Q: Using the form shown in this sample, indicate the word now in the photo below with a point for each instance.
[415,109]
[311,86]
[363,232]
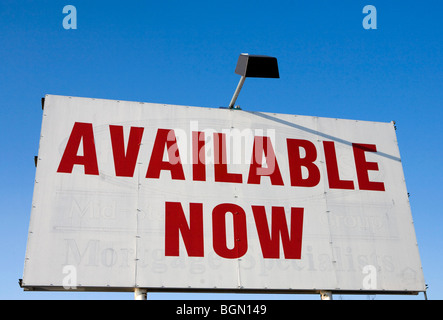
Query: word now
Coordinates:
[192,232]
[125,158]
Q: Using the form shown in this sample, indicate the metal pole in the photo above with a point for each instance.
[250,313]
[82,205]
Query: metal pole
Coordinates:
[140,294]
[326,295]
[237,91]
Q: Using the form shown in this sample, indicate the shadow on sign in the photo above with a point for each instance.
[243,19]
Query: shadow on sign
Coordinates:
[327,136]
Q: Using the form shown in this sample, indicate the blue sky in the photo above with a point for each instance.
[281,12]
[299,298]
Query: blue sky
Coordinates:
[185,52]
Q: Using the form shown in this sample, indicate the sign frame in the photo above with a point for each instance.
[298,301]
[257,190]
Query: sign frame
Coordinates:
[93,226]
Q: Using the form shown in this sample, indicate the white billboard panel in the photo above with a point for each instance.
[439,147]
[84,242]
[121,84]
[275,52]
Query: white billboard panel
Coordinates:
[165,197]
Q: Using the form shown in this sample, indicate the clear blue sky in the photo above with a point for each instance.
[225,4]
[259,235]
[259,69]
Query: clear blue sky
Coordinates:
[185,52]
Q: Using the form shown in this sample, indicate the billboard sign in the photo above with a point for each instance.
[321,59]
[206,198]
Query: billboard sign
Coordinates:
[141,195]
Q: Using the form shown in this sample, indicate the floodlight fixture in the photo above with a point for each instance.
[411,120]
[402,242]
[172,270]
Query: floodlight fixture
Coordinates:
[254,66]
